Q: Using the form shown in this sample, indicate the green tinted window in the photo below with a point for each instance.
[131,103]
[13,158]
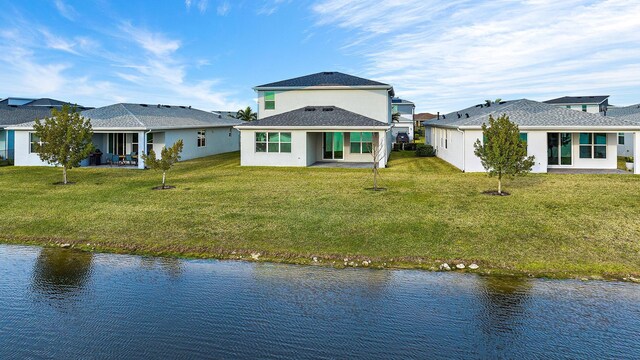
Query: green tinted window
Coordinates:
[361,142]
[585,138]
[600,139]
[523,137]
[584,107]
[599,152]
[274,137]
[585,152]
[273,142]
[269,100]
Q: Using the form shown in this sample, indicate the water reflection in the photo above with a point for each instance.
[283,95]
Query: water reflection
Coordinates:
[170,266]
[504,304]
[60,274]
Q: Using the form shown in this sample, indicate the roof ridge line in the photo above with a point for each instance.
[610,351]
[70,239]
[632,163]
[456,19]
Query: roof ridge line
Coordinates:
[513,102]
[130,113]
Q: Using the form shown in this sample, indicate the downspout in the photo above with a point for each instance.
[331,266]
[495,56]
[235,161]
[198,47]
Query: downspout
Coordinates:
[464,154]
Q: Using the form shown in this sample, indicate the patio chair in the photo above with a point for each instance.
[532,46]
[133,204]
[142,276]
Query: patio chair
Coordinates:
[107,158]
[131,158]
[115,159]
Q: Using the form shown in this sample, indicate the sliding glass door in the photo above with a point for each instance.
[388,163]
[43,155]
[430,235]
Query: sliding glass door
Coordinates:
[559,149]
[333,146]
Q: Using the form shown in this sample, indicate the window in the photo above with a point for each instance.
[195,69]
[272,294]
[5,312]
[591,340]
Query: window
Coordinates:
[149,142]
[446,139]
[620,138]
[34,141]
[202,139]
[273,142]
[593,146]
[394,109]
[523,137]
[361,142]
[134,142]
[584,108]
[568,106]
[269,100]
[230,131]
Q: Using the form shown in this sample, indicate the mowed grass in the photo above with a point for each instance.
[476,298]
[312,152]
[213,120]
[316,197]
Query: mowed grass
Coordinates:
[551,225]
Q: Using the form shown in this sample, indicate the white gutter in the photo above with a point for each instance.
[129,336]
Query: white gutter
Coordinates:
[248,127]
[464,153]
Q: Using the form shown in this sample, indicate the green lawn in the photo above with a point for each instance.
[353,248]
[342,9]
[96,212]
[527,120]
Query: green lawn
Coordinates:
[552,225]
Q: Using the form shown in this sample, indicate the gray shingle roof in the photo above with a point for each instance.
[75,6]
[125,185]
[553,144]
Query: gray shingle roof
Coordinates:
[37,109]
[578,100]
[397,100]
[329,116]
[527,113]
[623,110]
[327,78]
[151,117]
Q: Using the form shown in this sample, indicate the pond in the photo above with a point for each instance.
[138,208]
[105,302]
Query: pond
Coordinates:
[59,303]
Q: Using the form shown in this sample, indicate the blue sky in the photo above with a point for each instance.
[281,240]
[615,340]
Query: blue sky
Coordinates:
[443,55]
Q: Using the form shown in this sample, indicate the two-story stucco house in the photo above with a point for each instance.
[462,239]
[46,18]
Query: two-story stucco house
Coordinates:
[322,117]
[406,109]
[590,104]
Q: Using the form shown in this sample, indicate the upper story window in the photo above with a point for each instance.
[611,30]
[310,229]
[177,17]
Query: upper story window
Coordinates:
[584,108]
[568,106]
[269,100]
[202,138]
[394,109]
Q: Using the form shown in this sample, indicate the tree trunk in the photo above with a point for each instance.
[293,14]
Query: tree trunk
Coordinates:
[375,176]
[64,175]
[164,177]
[500,185]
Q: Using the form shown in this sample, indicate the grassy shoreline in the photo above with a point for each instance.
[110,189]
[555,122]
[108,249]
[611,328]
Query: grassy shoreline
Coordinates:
[560,226]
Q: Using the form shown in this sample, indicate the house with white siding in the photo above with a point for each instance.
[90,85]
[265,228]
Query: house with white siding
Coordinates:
[327,117]
[558,137]
[121,132]
[14,110]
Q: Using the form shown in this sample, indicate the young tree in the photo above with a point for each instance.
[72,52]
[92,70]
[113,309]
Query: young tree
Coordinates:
[65,139]
[168,157]
[246,114]
[503,153]
[377,152]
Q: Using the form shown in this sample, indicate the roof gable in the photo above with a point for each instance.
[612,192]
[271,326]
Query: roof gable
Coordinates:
[317,116]
[327,78]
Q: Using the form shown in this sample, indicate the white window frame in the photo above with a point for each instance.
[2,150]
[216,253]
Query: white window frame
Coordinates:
[31,142]
[202,138]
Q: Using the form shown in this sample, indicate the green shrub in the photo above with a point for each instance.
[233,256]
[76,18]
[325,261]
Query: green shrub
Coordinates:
[628,159]
[424,150]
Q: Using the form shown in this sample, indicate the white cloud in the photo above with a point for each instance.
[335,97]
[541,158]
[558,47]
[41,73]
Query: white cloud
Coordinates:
[66,10]
[156,43]
[223,8]
[447,55]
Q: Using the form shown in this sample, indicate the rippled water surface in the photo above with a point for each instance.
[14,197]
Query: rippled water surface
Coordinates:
[65,304]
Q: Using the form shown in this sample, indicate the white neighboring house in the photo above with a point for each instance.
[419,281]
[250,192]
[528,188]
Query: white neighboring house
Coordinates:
[322,117]
[590,104]
[625,140]
[405,124]
[559,138]
[129,129]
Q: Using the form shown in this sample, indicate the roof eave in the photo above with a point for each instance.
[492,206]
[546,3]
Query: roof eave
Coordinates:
[258,127]
[329,87]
